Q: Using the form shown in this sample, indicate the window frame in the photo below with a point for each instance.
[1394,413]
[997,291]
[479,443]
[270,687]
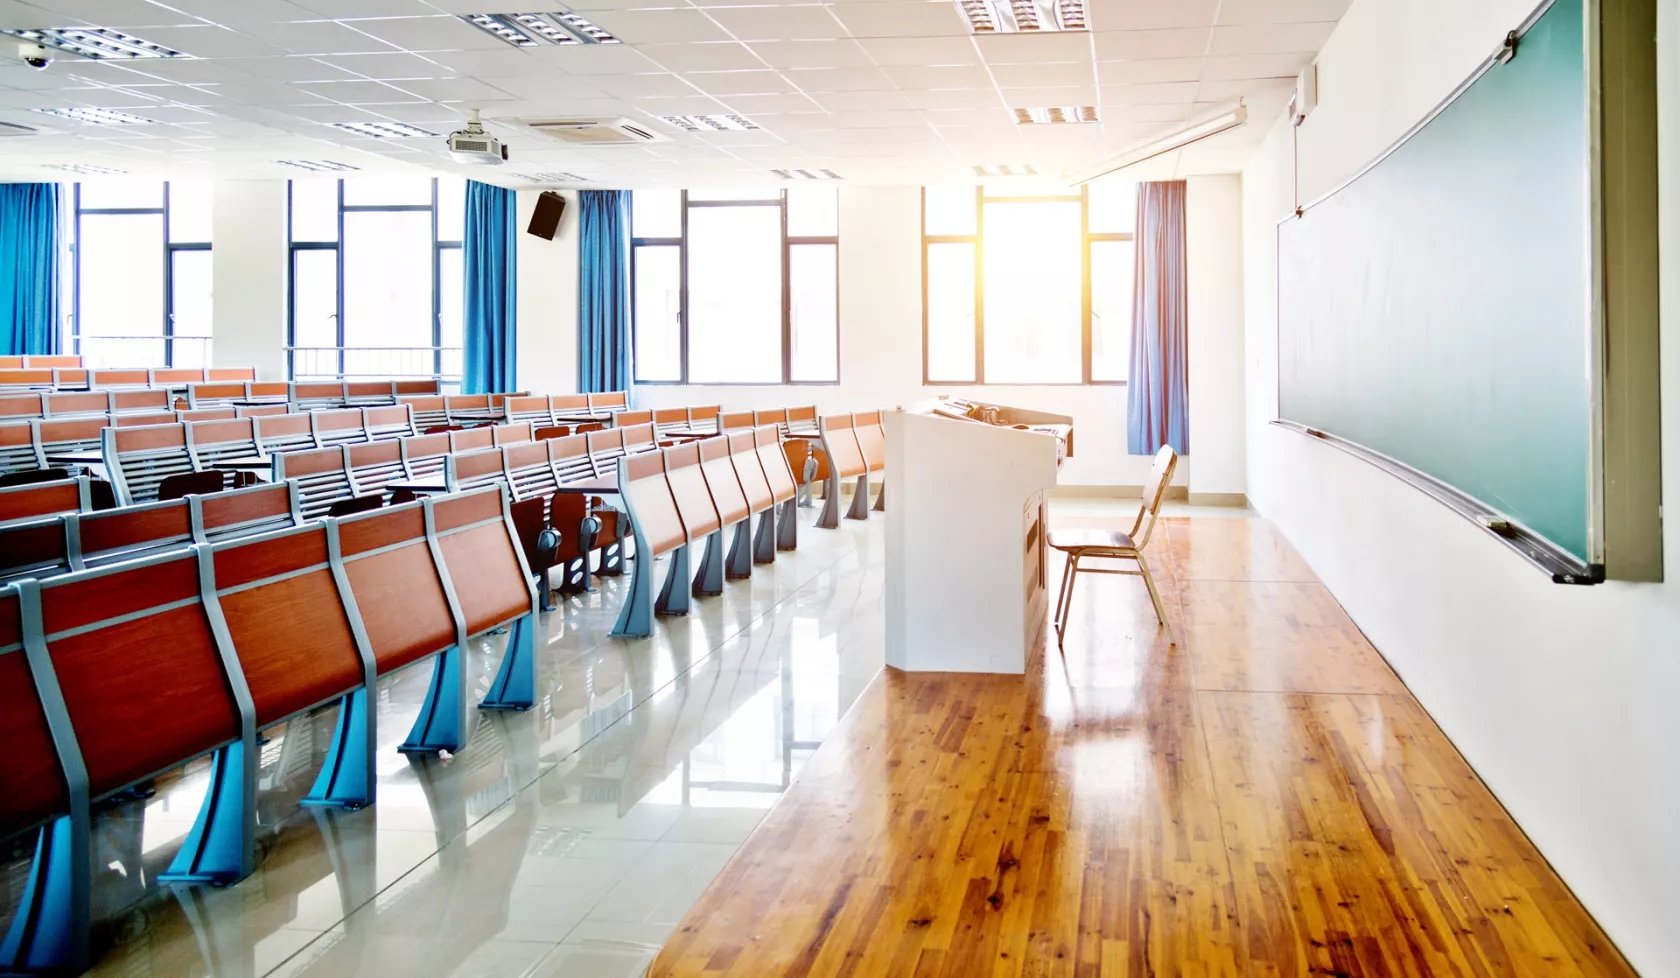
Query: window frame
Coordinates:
[293,247]
[680,242]
[169,250]
[977,240]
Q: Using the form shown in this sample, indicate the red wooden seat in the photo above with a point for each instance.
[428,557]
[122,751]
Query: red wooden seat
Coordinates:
[322,475]
[338,427]
[784,488]
[113,535]
[484,569]
[80,404]
[40,499]
[139,459]
[373,464]
[285,433]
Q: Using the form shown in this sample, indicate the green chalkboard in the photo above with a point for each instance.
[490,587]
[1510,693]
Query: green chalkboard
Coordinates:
[1436,309]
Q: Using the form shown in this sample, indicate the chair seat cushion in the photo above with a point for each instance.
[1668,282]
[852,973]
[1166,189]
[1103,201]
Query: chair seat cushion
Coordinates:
[1090,539]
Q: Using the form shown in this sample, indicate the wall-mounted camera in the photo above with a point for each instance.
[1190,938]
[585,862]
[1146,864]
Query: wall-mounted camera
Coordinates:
[35,56]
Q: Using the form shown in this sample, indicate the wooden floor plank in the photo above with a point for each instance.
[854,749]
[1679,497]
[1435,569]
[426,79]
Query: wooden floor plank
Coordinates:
[1264,799]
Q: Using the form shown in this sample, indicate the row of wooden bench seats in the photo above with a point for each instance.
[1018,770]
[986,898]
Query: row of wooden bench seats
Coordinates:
[82,404]
[62,534]
[855,446]
[546,410]
[30,444]
[71,378]
[111,676]
[139,459]
[39,360]
[694,492]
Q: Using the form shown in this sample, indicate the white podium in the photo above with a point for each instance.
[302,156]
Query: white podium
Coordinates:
[965,558]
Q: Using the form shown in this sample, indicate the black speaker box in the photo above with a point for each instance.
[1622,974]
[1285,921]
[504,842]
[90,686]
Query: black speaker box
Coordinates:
[545,220]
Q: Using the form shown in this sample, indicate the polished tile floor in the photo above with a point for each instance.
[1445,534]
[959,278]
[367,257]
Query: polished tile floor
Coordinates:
[567,841]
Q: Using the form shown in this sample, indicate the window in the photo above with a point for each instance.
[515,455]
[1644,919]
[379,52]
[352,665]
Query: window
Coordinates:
[1027,290]
[376,277]
[736,289]
[140,251]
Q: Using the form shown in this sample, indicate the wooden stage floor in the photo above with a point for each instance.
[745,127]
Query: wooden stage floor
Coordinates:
[1264,799]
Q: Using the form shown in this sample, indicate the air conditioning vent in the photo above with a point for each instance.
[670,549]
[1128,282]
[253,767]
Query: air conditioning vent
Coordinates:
[595,132]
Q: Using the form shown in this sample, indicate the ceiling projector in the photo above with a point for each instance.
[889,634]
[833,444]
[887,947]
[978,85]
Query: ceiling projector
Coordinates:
[474,145]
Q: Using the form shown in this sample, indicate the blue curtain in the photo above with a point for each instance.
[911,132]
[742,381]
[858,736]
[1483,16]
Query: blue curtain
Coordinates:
[491,353]
[604,291]
[29,249]
[1158,412]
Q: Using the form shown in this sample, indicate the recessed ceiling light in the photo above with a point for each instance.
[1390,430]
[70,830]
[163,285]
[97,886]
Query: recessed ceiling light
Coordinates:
[100,117]
[1057,114]
[556,177]
[317,165]
[1005,170]
[710,123]
[533,30]
[89,169]
[1024,16]
[96,43]
[806,174]
[382,130]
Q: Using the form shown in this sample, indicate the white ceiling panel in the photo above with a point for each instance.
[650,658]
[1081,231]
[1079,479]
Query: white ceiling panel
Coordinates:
[1043,75]
[937,99]
[357,92]
[753,106]
[551,85]
[1004,49]
[663,84]
[891,51]
[761,82]
[368,8]
[594,59]
[809,22]
[113,13]
[266,94]
[693,104]
[209,41]
[1255,66]
[1280,11]
[1150,71]
[287,69]
[649,26]
[865,102]
[320,37]
[844,53]
[456,90]
[1188,42]
[1120,112]
[1132,15]
[509,63]
[839,79]
[940,77]
[1043,98]
[1162,94]
[712,56]
[434,33]
[243,13]
[905,18]
[1270,38]
[387,66]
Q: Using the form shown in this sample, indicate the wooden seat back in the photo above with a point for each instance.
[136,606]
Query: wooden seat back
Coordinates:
[625,419]
[143,402]
[777,417]
[639,438]
[141,420]
[389,421]
[37,547]
[52,360]
[23,407]
[570,458]
[470,470]
[840,444]
[17,447]
[26,380]
[606,447]
[322,474]
[641,478]
[138,459]
[260,410]
[516,433]
[316,396]
[408,388]
[668,419]
[482,556]
[471,440]
[11,362]
[32,782]
[373,464]
[207,414]
[569,406]
[285,433]
[174,376]
[609,400]
[243,512]
[271,392]
[40,499]
[129,532]
[246,374]
[743,455]
[78,404]
[69,379]
[722,482]
[469,407]
[735,421]
[338,427]
[797,451]
[369,393]
[109,379]
[529,409]
[528,470]
[699,514]
[871,439]
[133,649]
[768,440]
[704,419]
[215,442]
[399,595]
[802,420]
[429,409]
[66,435]
[423,455]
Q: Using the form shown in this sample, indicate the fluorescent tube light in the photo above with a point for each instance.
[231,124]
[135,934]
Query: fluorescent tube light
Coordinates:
[1157,147]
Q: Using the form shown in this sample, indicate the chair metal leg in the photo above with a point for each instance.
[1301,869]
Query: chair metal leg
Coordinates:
[1061,596]
[1155,596]
[1067,605]
[860,499]
[830,518]
[515,685]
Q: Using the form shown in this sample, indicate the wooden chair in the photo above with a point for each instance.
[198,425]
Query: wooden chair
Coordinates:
[37,548]
[22,407]
[174,377]
[17,448]
[216,443]
[319,396]
[607,402]
[388,422]
[485,573]
[207,414]
[260,410]
[242,374]
[658,530]
[845,461]
[703,421]
[537,410]
[700,518]
[570,409]
[783,489]
[79,404]
[140,420]
[470,409]
[1085,544]
[624,419]
[272,392]
[472,439]
[513,433]
[730,501]
[139,459]
[429,410]
[338,427]
[131,532]
[761,502]
[244,512]
[322,474]
[189,483]
[114,379]
[640,438]
[57,437]
[736,421]
[423,455]
[374,464]
[369,393]
[285,433]
[409,388]
[202,396]
[25,381]
[35,500]
[872,443]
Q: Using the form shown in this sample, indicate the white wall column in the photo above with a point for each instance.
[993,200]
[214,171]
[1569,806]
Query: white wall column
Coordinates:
[248,238]
[547,278]
[1213,232]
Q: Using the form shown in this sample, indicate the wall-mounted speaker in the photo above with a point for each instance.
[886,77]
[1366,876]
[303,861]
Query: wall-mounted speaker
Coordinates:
[545,220]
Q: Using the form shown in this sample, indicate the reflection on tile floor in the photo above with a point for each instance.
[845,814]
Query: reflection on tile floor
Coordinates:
[565,841]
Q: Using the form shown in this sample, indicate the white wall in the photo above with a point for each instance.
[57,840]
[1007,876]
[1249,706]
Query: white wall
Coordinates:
[248,277]
[1213,232]
[547,305]
[1561,697]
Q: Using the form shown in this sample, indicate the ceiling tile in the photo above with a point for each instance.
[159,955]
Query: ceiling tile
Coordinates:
[1256,66]
[662,84]
[1270,38]
[844,53]
[810,22]
[646,26]
[435,33]
[123,14]
[1169,92]
[1212,90]
[1043,75]
[1118,112]
[387,66]
[207,41]
[905,18]
[890,51]
[864,102]
[188,70]
[1131,15]
[755,105]
[1149,70]
[839,79]
[319,37]
[1030,98]
[691,104]
[551,85]
[455,90]
[713,56]
[1035,48]
[268,94]
[595,59]
[973,98]
[939,77]
[368,8]
[243,13]
[356,92]
[1280,11]
[288,69]
[1189,42]
[506,63]
[760,82]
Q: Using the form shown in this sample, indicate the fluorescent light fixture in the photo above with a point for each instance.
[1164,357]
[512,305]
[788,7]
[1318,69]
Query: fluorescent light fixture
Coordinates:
[1057,115]
[533,30]
[1165,144]
[1024,16]
[556,177]
[87,169]
[710,123]
[1005,170]
[382,130]
[97,43]
[319,166]
[807,174]
[99,117]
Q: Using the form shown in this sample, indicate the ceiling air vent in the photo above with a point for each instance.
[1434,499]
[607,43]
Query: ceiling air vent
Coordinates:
[806,174]
[1005,170]
[556,177]
[711,123]
[595,132]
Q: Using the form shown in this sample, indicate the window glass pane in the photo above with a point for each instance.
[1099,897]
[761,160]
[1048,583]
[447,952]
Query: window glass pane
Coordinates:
[814,307]
[1033,293]
[950,210]
[451,308]
[314,313]
[1113,205]
[736,193]
[189,212]
[658,302]
[950,312]
[121,287]
[190,307]
[735,294]
[122,192]
[452,208]
[1111,309]
[388,188]
[387,289]
[813,212]
[314,210]
[656,213]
